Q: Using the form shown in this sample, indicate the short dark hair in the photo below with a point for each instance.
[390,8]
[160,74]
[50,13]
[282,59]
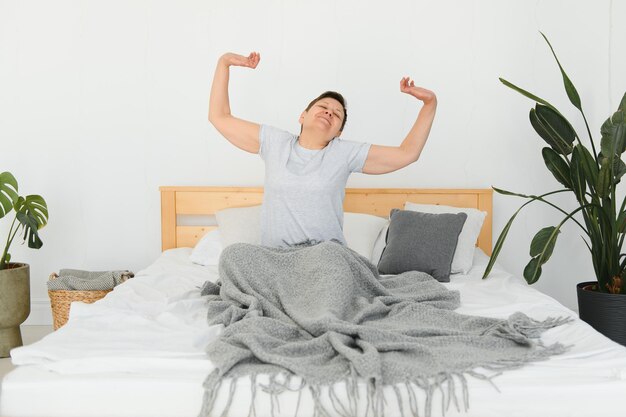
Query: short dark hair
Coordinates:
[335,95]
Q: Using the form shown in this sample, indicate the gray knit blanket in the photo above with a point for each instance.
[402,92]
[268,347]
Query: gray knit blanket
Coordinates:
[76,279]
[323,315]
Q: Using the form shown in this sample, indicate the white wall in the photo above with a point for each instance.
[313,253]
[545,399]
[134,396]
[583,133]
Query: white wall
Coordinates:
[101,102]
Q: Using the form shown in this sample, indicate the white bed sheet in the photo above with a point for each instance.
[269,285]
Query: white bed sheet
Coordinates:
[140,352]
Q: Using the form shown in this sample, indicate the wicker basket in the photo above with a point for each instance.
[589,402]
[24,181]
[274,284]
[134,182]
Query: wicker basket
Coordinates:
[60,301]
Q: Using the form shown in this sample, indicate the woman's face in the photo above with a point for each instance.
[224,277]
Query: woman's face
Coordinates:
[325,115]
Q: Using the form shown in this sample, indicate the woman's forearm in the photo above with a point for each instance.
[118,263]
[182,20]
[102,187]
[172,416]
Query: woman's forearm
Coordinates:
[417,136]
[218,103]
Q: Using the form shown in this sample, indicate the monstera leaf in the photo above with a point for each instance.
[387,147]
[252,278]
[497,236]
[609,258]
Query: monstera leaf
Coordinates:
[8,193]
[32,213]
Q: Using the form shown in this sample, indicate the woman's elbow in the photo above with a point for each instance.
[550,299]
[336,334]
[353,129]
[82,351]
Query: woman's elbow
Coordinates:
[212,118]
[216,120]
[409,158]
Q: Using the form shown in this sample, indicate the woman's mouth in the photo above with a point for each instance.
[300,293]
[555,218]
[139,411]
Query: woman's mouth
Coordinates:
[324,119]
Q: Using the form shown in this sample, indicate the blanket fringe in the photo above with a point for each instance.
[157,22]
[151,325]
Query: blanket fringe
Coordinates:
[451,385]
[453,389]
[522,329]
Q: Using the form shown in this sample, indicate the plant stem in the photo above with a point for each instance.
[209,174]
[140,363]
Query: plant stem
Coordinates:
[556,230]
[614,232]
[623,205]
[564,212]
[10,238]
[593,147]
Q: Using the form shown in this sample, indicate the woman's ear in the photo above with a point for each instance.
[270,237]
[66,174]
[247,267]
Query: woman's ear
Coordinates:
[301,119]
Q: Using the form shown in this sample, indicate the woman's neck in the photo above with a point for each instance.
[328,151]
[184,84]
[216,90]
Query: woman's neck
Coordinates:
[312,141]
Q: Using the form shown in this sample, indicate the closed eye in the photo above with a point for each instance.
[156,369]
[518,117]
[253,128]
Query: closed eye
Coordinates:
[336,114]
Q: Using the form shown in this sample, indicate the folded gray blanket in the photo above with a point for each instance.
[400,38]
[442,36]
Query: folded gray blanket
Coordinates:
[75,279]
[323,314]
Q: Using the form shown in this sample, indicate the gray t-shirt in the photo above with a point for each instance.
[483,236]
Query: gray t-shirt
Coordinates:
[304,188]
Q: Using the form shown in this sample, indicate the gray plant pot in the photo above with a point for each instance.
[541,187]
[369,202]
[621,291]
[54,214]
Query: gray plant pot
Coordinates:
[604,312]
[14,305]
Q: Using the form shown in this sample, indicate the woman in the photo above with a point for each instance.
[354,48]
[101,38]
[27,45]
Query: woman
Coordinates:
[306,175]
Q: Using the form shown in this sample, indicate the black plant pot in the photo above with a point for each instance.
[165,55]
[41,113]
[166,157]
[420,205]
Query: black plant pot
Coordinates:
[604,312]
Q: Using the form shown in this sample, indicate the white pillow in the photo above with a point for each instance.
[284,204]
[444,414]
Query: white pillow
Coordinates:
[466,243]
[244,225]
[240,225]
[208,250]
[361,231]
[379,245]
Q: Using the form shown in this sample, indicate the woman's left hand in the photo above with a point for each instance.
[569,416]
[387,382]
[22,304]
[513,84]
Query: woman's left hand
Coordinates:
[408,86]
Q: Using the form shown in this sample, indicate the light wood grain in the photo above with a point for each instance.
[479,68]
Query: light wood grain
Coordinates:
[188,236]
[177,201]
[168,219]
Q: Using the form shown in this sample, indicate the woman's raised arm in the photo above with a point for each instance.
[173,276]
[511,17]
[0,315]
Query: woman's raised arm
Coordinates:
[241,133]
[384,159]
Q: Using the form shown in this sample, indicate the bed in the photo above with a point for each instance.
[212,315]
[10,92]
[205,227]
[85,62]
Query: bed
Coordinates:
[140,350]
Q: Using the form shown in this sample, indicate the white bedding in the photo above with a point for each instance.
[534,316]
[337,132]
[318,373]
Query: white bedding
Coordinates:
[140,352]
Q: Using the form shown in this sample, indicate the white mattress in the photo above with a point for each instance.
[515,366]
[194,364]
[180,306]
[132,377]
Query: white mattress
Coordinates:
[140,352]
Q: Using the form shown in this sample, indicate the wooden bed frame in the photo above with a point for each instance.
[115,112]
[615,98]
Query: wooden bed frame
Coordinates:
[177,201]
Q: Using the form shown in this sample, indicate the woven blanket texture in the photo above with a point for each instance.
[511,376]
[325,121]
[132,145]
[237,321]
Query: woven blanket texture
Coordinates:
[323,315]
[76,279]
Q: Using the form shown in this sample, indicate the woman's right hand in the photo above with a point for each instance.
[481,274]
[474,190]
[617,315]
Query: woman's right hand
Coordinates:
[251,61]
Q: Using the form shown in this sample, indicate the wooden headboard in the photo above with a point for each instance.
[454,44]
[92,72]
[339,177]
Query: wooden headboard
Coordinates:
[176,201]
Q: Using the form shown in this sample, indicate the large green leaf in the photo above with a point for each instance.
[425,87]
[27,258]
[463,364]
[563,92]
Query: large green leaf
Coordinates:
[541,249]
[30,229]
[32,213]
[606,145]
[543,243]
[560,128]
[553,128]
[531,96]
[500,241]
[35,206]
[620,136]
[526,93]
[619,169]
[572,94]
[587,164]
[532,272]
[505,192]
[613,132]
[606,141]
[557,166]
[8,193]
[543,132]
[603,186]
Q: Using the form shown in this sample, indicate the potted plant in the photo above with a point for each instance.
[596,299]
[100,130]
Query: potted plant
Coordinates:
[592,177]
[31,214]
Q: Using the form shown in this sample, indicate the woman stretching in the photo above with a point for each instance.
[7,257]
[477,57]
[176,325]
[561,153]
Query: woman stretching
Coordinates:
[306,174]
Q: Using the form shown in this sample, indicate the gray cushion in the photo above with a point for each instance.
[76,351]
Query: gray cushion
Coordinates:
[421,242]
